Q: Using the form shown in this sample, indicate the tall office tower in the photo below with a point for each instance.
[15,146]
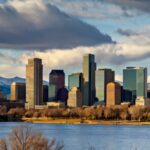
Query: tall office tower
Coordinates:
[102,78]
[56,84]
[134,83]
[75,97]
[45,93]
[113,94]
[34,82]
[75,80]
[89,67]
[18,92]
[148,93]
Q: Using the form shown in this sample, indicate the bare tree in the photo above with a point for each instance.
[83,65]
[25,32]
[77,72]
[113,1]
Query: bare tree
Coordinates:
[3,145]
[25,138]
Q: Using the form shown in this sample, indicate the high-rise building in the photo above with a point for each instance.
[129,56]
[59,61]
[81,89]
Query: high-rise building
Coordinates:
[34,82]
[56,85]
[75,80]
[102,78]
[135,82]
[75,97]
[113,94]
[45,93]
[148,93]
[89,67]
[18,92]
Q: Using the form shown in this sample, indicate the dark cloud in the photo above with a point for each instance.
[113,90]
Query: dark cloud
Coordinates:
[126,32]
[43,26]
[143,5]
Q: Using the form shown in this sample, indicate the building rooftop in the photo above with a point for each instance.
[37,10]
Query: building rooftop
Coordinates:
[78,73]
[135,68]
[17,83]
[89,54]
[57,72]
[105,69]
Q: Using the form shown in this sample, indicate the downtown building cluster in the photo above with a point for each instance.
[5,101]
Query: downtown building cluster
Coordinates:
[93,86]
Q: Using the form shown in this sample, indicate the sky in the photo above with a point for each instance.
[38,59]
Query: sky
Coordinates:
[60,32]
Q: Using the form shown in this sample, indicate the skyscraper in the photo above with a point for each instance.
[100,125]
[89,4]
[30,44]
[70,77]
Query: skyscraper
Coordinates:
[57,90]
[89,67]
[75,80]
[134,82]
[34,82]
[102,78]
[45,93]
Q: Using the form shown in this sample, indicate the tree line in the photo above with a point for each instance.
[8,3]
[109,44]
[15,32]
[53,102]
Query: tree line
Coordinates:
[121,112]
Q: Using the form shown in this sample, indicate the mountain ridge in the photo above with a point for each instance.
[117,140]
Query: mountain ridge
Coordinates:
[6,82]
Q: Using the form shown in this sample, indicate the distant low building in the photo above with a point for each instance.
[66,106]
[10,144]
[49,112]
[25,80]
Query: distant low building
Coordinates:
[113,96]
[75,98]
[55,104]
[12,104]
[18,92]
[40,107]
[141,101]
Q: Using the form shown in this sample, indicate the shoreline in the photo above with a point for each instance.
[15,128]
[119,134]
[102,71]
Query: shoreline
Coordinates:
[88,122]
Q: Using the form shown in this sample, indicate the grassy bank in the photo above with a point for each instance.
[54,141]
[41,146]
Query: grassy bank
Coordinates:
[81,121]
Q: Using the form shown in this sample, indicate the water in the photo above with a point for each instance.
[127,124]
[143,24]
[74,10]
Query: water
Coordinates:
[81,137]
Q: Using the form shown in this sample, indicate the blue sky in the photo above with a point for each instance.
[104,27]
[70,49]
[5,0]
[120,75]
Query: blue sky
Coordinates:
[62,31]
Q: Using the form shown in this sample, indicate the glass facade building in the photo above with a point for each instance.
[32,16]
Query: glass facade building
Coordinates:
[89,67]
[102,78]
[135,83]
[75,80]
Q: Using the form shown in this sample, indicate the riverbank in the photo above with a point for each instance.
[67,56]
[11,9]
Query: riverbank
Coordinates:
[79,121]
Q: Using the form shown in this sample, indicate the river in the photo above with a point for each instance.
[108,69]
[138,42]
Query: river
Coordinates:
[101,137]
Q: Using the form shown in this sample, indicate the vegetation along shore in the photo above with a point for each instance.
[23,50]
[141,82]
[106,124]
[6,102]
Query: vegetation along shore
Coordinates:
[116,115]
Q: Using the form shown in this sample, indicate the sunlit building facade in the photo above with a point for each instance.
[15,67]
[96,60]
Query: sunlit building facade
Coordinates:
[113,95]
[18,92]
[102,78]
[75,97]
[34,82]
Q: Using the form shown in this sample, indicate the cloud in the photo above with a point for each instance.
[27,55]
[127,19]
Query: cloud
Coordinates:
[148,79]
[117,54]
[8,70]
[134,48]
[126,32]
[37,25]
[142,5]
[93,9]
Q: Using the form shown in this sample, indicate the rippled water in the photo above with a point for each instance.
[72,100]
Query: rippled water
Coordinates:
[81,137]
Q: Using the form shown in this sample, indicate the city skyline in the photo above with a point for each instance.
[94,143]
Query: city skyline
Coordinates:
[93,86]
[127,26]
